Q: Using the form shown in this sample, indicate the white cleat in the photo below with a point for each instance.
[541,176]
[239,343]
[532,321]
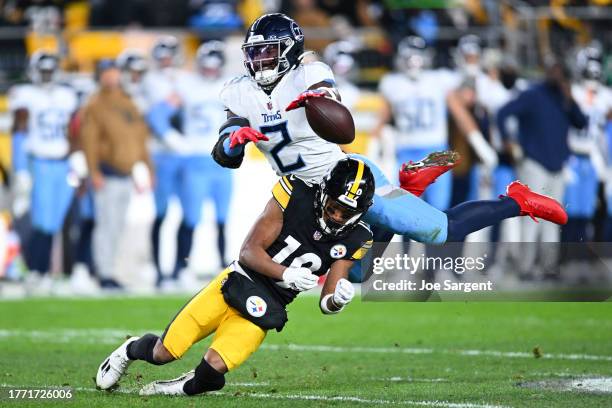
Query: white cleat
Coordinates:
[114,366]
[168,387]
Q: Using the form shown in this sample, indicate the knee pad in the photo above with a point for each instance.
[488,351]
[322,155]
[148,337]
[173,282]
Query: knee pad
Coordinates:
[206,379]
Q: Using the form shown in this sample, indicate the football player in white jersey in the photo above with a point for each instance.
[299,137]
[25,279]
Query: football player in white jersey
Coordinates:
[586,161]
[263,108]
[42,111]
[415,97]
[339,56]
[133,66]
[194,176]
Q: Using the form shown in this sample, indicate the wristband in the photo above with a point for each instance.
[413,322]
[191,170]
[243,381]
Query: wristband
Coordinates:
[324,307]
[232,152]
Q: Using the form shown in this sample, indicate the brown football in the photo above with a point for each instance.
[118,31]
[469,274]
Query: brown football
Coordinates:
[330,120]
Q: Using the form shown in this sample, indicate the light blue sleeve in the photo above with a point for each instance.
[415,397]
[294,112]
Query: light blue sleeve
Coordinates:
[18,150]
[159,118]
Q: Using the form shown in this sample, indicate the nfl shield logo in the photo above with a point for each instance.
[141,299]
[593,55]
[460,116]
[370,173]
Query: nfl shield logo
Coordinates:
[269,105]
[317,235]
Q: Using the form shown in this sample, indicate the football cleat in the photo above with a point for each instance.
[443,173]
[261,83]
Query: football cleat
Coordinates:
[415,177]
[168,387]
[114,366]
[536,205]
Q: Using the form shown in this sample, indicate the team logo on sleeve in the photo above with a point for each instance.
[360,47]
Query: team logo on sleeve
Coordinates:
[338,251]
[256,306]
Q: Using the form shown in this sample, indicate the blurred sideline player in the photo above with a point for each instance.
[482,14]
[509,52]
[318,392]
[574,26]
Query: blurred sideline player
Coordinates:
[339,57]
[42,111]
[263,107]
[133,65]
[595,100]
[304,231]
[160,85]
[194,176]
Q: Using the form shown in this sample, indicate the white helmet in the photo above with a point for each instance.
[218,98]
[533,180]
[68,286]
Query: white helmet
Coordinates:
[210,57]
[339,56]
[43,66]
[413,55]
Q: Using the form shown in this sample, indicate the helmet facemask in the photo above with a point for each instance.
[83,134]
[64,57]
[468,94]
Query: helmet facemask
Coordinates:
[44,69]
[267,61]
[335,218]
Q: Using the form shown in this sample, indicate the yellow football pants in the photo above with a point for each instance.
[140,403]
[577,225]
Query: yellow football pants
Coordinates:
[235,339]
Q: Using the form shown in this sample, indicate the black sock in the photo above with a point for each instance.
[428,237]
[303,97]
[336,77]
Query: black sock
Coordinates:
[471,216]
[206,379]
[221,243]
[142,349]
[155,231]
[40,251]
[183,248]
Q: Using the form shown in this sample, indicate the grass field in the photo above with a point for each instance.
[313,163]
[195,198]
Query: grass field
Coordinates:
[456,355]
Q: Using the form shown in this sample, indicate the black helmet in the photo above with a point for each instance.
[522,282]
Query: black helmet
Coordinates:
[43,66]
[273,45]
[347,192]
[211,55]
[166,48]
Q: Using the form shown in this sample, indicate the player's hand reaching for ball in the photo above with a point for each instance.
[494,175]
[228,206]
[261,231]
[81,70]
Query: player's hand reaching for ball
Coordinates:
[300,279]
[301,99]
[343,294]
[244,135]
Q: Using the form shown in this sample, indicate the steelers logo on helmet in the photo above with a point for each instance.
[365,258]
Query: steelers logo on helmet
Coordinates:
[343,197]
[256,306]
[274,44]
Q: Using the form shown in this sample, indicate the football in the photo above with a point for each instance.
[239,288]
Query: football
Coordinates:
[331,120]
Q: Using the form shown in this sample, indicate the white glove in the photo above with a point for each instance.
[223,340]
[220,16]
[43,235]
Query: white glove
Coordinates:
[22,187]
[175,141]
[483,149]
[300,279]
[78,164]
[141,176]
[344,293]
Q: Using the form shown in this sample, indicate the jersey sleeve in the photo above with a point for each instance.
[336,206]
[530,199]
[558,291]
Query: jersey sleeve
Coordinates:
[282,191]
[316,72]
[231,96]
[364,241]
[18,98]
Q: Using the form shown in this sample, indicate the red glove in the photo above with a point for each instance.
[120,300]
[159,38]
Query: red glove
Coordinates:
[301,99]
[245,135]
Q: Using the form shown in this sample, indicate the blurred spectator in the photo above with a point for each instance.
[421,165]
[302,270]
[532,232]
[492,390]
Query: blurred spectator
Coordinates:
[114,136]
[310,17]
[159,13]
[544,113]
[214,14]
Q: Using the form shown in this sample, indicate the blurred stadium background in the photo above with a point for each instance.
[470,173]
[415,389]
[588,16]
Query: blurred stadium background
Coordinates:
[83,33]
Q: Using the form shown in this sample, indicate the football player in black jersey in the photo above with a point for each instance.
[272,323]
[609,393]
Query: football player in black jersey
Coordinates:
[305,231]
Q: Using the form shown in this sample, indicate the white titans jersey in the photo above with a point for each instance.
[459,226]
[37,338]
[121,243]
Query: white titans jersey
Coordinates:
[202,112]
[419,106]
[293,148]
[159,84]
[49,110]
[595,105]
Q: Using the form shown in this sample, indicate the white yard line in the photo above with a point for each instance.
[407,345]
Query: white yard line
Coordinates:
[113,335]
[306,397]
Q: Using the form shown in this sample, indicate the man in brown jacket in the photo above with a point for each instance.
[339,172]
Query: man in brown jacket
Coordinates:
[114,139]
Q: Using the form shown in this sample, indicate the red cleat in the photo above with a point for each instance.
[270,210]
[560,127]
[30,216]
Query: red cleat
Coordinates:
[415,177]
[536,205]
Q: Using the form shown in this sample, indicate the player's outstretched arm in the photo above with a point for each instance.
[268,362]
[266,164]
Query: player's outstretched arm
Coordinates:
[266,229]
[337,291]
[234,134]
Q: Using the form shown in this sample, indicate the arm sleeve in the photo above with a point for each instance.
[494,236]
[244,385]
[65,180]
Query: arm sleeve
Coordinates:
[282,192]
[576,117]
[362,250]
[159,118]
[90,140]
[19,152]
[316,72]
[221,153]
[515,107]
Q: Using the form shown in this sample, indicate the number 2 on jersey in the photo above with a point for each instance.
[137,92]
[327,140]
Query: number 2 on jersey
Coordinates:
[282,129]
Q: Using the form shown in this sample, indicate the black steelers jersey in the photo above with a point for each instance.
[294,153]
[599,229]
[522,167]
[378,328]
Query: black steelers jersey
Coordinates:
[301,242]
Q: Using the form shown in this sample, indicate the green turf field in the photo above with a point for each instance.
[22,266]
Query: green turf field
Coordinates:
[454,355]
